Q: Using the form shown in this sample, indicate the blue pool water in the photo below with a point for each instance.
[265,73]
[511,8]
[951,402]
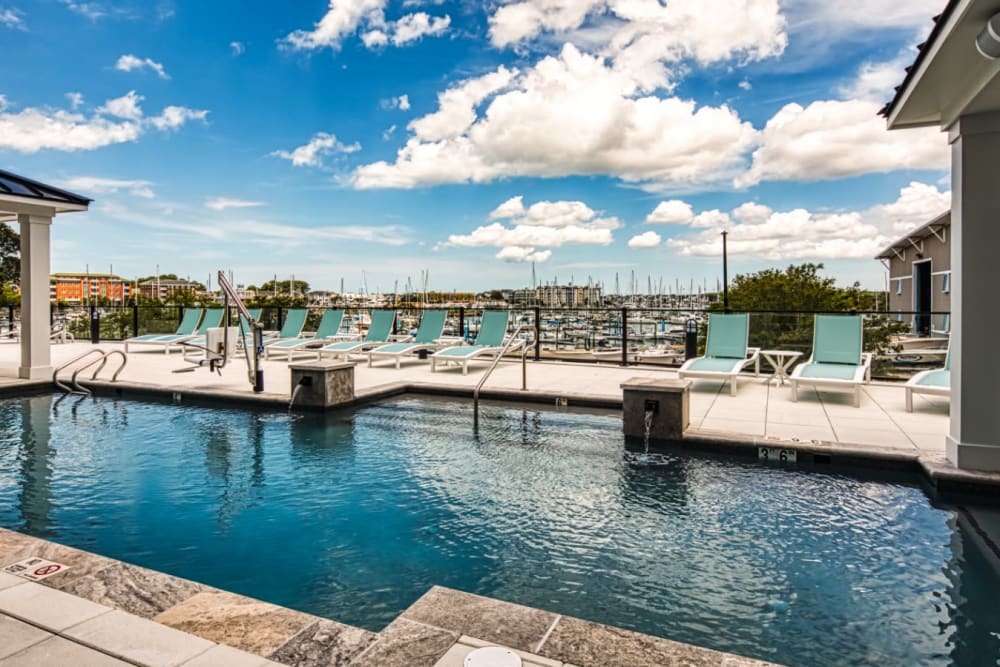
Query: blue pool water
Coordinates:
[353,516]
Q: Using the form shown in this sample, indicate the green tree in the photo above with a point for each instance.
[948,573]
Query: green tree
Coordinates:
[10,255]
[782,305]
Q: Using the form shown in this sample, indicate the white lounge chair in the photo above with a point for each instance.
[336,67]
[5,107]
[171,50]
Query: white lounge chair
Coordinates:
[212,319]
[489,343]
[379,331]
[837,359]
[936,382]
[726,351]
[427,338]
[295,321]
[329,326]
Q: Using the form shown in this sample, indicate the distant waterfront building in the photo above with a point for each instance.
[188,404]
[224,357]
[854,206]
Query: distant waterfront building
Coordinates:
[80,288]
[919,267]
[163,288]
[556,296]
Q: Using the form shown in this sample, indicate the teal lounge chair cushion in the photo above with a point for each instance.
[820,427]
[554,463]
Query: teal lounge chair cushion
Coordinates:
[381,326]
[493,328]
[822,371]
[294,321]
[714,365]
[837,339]
[461,350]
[941,378]
[431,326]
[727,335]
[187,327]
[329,324]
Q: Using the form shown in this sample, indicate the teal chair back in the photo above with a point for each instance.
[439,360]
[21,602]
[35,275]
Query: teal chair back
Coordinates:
[329,324]
[493,328]
[381,326]
[213,319]
[295,319]
[244,325]
[728,335]
[189,322]
[837,339]
[431,326]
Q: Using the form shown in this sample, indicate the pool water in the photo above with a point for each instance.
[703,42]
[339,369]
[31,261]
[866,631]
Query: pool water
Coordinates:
[354,515]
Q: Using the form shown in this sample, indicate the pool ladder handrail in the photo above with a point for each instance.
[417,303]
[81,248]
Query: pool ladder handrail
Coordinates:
[102,360]
[496,361]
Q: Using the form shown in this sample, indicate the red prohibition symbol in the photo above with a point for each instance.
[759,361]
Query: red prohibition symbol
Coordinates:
[47,569]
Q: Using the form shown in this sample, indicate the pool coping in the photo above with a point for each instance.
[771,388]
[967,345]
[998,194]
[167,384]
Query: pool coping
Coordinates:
[420,636]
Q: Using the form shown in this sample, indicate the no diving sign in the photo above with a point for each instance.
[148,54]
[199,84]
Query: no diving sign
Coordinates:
[35,569]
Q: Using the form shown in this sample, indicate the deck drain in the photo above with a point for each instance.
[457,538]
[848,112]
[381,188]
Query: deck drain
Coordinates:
[492,656]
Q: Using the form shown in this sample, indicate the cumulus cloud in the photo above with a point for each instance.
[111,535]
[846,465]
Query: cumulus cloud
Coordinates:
[97,185]
[311,154]
[401,102]
[412,27]
[669,212]
[757,230]
[645,240]
[75,100]
[837,139]
[346,17]
[118,120]
[875,80]
[129,62]
[12,18]
[223,203]
[569,114]
[544,224]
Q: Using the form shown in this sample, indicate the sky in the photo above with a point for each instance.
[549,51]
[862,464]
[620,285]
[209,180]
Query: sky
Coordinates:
[365,142]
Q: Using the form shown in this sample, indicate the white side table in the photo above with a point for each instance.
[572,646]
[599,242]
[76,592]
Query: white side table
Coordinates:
[780,361]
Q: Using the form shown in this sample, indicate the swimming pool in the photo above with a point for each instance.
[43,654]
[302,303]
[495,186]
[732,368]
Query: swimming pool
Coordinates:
[354,515]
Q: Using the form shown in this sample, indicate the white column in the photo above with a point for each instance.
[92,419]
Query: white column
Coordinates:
[974,437]
[35,328]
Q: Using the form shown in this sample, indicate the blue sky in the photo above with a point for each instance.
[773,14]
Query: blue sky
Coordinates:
[326,138]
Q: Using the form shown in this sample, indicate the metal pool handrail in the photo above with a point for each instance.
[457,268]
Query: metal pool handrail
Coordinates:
[496,361]
[103,362]
[55,373]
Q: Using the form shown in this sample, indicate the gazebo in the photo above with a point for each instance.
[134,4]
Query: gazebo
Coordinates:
[954,84]
[33,205]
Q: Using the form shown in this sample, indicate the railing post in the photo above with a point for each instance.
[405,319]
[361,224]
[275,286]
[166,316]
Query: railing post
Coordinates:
[538,333]
[281,323]
[95,325]
[624,336]
[135,320]
[461,321]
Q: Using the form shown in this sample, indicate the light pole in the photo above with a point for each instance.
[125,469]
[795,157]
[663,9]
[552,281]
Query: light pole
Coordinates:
[725,274]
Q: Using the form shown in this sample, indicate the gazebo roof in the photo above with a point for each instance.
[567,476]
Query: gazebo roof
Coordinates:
[20,195]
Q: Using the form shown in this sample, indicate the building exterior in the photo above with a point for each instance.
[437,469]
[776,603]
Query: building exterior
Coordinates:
[163,288]
[556,296]
[919,267]
[82,288]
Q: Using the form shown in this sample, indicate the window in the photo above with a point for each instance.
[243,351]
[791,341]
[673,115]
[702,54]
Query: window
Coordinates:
[899,287]
[946,283]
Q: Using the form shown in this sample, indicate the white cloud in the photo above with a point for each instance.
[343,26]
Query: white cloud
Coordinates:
[11,18]
[402,103]
[758,231]
[129,62]
[412,27]
[837,139]
[75,100]
[126,106]
[856,15]
[346,17]
[311,154]
[33,129]
[544,224]
[173,117]
[645,240]
[670,212]
[223,203]
[389,131]
[4,103]
[237,48]
[97,185]
[569,114]
[875,80]
[517,21]
[90,10]
[341,19]
[744,85]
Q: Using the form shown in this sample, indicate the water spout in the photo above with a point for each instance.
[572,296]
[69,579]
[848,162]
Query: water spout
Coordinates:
[295,392]
[648,423]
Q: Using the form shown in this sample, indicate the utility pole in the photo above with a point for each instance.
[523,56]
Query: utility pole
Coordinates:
[725,274]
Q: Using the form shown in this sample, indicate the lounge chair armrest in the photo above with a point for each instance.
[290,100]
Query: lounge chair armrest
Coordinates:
[400,338]
[753,352]
[450,340]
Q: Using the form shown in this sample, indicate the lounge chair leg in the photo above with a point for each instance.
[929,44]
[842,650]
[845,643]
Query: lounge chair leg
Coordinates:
[857,396]
[732,385]
[795,391]
[465,368]
[909,400]
[397,363]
